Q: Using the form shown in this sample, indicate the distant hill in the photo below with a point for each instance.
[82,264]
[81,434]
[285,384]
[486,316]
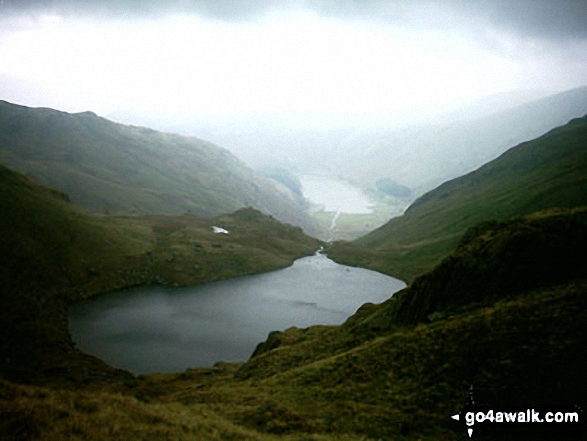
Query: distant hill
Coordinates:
[54,253]
[107,167]
[506,313]
[422,157]
[550,171]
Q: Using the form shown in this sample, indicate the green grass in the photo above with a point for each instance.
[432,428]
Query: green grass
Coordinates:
[384,374]
[55,254]
[48,414]
[505,312]
[428,154]
[397,370]
[112,168]
[350,226]
[392,374]
[548,172]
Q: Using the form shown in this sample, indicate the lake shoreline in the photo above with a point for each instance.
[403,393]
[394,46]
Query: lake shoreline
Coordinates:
[254,306]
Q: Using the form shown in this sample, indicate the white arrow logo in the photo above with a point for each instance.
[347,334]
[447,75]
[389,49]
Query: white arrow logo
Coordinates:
[457,417]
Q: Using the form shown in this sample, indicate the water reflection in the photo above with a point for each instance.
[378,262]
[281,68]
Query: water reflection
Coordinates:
[159,329]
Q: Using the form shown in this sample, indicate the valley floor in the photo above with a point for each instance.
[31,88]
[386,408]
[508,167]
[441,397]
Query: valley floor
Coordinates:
[506,312]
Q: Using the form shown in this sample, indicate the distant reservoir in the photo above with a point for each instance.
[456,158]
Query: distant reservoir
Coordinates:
[335,195]
[160,329]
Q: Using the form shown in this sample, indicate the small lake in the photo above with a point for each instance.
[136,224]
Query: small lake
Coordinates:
[161,329]
[335,195]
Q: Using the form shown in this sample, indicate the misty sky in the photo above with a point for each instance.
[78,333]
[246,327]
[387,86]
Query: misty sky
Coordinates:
[215,58]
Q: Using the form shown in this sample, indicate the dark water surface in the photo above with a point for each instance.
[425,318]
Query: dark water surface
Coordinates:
[159,329]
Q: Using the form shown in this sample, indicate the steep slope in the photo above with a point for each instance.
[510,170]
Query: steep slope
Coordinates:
[397,370]
[550,171]
[505,313]
[422,157]
[53,253]
[109,167]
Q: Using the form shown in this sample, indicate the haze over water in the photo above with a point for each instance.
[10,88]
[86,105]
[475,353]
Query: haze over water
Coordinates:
[335,195]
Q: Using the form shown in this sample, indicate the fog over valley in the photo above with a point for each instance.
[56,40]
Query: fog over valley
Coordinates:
[410,94]
[333,220]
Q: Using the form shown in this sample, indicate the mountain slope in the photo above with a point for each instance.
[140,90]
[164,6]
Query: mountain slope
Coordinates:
[505,313]
[109,167]
[550,171]
[53,253]
[422,157]
[397,370]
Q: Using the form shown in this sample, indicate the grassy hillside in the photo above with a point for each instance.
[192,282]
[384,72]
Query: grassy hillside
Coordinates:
[504,313]
[392,371]
[550,171]
[53,253]
[505,310]
[423,157]
[107,167]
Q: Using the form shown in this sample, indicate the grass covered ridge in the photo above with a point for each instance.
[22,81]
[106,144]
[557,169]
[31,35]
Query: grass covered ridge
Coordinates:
[396,371]
[548,172]
[107,167]
[504,310]
[55,254]
[392,371]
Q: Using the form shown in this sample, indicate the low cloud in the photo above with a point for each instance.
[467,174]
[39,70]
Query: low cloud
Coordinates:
[559,20]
